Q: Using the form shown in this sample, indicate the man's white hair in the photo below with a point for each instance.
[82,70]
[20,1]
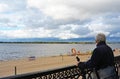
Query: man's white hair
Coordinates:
[100,37]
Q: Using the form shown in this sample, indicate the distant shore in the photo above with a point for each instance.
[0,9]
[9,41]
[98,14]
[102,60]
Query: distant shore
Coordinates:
[53,42]
[60,42]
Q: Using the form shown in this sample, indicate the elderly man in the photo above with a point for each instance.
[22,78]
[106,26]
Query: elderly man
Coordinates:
[102,60]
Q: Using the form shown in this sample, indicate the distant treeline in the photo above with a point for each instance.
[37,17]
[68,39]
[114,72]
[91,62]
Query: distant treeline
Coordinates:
[53,42]
[60,42]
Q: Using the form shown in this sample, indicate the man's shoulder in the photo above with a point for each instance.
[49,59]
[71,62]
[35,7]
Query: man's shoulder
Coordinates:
[100,47]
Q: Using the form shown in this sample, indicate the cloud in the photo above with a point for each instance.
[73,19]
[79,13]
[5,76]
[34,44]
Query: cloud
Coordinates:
[12,6]
[3,7]
[115,34]
[26,33]
[70,9]
[62,19]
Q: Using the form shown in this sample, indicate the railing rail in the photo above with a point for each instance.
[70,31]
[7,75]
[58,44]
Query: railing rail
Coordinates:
[69,72]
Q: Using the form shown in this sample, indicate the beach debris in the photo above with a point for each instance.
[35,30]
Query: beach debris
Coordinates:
[116,51]
[31,58]
[74,52]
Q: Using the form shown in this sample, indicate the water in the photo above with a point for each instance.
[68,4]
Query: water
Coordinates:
[10,51]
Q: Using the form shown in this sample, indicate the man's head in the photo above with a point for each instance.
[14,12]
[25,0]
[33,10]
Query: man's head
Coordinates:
[100,37]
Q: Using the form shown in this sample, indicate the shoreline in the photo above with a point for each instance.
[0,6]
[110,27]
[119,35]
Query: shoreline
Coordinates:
[27,65]
[65,54]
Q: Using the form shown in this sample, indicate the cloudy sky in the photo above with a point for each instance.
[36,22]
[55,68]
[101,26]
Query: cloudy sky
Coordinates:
[63,19]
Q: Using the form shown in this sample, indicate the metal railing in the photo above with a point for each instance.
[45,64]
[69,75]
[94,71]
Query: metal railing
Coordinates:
[70,72]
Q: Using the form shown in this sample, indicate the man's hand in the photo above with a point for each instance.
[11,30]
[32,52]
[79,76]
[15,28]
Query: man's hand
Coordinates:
[77,58]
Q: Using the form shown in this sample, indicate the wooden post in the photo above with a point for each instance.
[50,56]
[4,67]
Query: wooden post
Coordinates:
[15,70]
[62,57]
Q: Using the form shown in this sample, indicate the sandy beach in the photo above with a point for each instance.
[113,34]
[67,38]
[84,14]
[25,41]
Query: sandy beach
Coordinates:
[27,65]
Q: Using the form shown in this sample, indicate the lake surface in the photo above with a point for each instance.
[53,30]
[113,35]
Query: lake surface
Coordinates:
[10,51]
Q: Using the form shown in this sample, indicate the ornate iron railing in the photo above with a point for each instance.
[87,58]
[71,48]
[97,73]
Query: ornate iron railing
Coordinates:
[70,72]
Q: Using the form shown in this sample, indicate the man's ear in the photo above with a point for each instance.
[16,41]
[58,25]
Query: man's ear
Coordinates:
[96,41]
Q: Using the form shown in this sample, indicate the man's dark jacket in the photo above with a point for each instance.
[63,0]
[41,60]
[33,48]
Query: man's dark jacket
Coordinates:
[102,57]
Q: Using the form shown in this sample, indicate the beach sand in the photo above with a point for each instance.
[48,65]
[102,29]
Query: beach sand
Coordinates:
[27,65]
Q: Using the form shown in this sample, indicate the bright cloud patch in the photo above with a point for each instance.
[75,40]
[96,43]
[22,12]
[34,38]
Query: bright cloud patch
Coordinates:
[3,7]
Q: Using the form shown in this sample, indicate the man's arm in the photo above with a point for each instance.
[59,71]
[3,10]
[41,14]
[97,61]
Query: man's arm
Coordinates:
[94,60]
